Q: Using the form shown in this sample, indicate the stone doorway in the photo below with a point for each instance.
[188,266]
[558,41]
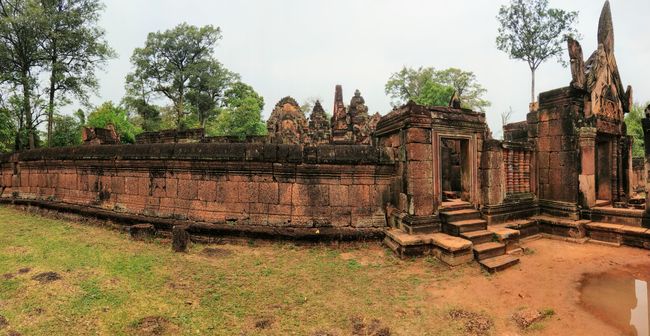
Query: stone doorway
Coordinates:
[604,171]
[455,169]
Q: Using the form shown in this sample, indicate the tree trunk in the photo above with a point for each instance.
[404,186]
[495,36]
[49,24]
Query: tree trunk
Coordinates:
[27,109]
[50,107]
[532,88]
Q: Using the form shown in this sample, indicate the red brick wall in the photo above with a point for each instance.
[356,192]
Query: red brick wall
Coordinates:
[248,184]
[557,148]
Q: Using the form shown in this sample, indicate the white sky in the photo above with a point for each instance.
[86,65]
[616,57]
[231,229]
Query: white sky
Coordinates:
[303,48]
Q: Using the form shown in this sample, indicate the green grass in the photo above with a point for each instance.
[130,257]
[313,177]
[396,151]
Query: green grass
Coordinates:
[110,283]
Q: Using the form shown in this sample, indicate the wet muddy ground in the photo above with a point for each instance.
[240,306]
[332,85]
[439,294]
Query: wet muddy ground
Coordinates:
[561,278]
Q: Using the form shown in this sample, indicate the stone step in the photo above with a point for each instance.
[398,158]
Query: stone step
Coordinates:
[526,227]
[457,227]
[478,237]
[489,250]
[460,215]
[420,228]
[508,237]
[498,264]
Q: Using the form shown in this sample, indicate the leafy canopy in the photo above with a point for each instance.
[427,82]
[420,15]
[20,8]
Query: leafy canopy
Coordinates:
[75,48]
[427,86]
[242,115]
[532,32]
[634,128]
[170,59]
[107,114]
[66,131]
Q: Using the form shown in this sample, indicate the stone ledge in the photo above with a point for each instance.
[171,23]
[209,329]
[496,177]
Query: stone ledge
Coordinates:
[203,229]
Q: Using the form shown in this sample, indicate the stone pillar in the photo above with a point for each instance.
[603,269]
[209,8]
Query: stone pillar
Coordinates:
[587,177]
[645,124]
[419,172]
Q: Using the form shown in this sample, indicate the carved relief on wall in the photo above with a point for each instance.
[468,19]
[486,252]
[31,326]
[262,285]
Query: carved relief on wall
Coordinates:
[287,124]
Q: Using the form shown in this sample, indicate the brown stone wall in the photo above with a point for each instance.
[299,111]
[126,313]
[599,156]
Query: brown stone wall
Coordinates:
[638,175]
[557,144]
[237,184]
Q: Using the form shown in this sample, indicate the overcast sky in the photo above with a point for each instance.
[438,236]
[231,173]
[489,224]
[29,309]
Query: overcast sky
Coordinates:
[303,48]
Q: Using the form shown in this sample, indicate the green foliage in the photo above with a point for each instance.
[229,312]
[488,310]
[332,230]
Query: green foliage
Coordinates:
[170,59]
[66,131]
[634,129]
[74,47]
[242,115]
[427,86]
[7,131]
[465,84]
[107,114]
[207,89]
[532,32]
[22,32]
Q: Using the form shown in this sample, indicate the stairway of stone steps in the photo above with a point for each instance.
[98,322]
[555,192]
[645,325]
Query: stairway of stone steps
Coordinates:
[466,222]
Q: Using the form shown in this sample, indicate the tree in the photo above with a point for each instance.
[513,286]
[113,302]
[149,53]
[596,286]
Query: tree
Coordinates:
[532,32]
[21,37]
[107,114]
[242,115]
[170,59]
[66,131]
[633,124]
[207,89]
[75,48]
[7,129]
[427,86]
[465,85]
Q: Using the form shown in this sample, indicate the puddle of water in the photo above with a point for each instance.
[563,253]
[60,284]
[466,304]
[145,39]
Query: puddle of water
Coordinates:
[619,299]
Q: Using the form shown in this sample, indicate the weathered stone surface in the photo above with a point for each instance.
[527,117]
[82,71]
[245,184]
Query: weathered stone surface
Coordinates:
[142,231]
[180,239]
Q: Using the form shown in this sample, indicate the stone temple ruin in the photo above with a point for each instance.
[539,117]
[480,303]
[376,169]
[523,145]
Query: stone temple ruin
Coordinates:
[429,180]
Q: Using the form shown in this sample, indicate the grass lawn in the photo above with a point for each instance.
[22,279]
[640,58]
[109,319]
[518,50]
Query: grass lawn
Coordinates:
[111,285]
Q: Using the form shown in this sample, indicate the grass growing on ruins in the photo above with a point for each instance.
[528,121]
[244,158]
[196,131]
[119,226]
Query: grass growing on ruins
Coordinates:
[111,285]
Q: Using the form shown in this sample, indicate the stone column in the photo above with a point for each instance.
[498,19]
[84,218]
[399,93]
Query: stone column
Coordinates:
[645,124]
[587,177]
[419,172]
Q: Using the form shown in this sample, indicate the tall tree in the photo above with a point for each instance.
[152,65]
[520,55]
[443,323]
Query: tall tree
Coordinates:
[21,55]
[207,87]
[428,86]
[242,115]
[532,32]
[171,58]
[75,48]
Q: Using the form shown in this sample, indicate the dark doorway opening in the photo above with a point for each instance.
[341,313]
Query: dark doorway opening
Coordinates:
[603,171]
[455,169]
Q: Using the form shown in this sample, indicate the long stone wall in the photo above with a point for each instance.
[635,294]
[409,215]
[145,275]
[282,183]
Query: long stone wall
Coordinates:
[280,189]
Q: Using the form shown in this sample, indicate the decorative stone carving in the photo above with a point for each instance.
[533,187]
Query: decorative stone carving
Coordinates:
[455,101]
[100,136]
[319,126]
[340,120]
[287,124]
[577,64]
[609,99]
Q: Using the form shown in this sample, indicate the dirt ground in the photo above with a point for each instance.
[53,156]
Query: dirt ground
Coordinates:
[63,278]
[547,278]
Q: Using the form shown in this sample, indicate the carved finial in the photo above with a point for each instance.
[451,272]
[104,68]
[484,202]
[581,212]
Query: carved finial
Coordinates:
[318,108]
[455,101]
[338,95]
[577,64]
[606,28]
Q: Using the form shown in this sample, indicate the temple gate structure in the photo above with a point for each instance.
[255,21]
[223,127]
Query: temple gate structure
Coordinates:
[428,180]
